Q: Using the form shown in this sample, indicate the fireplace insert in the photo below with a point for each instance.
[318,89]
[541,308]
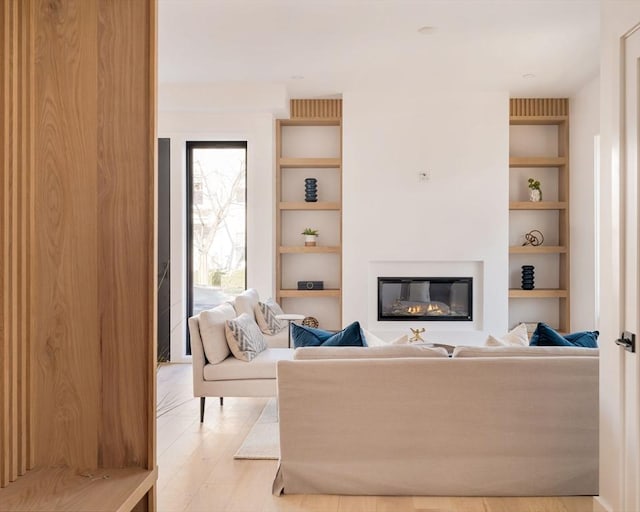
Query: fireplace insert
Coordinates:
[425,298]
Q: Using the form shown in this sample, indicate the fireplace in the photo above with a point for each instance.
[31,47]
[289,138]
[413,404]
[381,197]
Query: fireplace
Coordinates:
[448,299]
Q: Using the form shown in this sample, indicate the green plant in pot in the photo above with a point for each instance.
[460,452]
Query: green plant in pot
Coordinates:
[535,193]
[310,236]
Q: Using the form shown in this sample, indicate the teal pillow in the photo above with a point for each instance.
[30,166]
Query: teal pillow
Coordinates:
[350,336]
[304,336]
[545,336]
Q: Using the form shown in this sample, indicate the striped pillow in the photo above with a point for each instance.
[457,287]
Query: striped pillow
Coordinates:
[244,337]
[266,317]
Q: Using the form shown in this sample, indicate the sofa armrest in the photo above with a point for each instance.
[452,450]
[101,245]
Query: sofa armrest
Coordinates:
[198,360]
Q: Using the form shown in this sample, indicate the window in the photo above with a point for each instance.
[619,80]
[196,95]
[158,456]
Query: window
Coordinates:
[216,223]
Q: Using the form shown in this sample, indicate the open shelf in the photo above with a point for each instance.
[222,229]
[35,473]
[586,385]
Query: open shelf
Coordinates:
[517,293]
[301,205]
[309,293]
[316,163]
[550,120]
[540,129]
[62,489]
[530,161]
[541,249]
[302,249]
[540,205]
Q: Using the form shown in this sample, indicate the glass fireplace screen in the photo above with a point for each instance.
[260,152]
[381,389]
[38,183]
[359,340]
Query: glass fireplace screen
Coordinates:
[425,298]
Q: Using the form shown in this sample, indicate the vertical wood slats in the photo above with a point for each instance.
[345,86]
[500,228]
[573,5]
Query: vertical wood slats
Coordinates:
[316,109]
[77,235]
[16,93]
[539,107]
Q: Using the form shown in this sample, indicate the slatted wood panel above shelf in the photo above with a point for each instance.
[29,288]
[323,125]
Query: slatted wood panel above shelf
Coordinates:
[309,293]
[300,205]
[315,163]
[530,161]
[301,249]
[542,249]
[540,205]
[516,293]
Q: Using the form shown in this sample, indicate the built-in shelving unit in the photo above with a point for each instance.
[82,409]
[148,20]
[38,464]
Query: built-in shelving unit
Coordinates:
[539,148]
[309,145]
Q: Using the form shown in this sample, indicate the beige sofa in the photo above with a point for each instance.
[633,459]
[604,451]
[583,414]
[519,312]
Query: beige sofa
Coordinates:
[499,421]
[216,372]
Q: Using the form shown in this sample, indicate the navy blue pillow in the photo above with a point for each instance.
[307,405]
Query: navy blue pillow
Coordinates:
[350,336]
[545,336]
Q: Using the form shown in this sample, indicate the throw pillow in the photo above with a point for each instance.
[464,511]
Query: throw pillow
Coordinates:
[373,340]
[212,332]
[515,337]
[266,317]
[350,336]
[402,340]
[244,337]
[546,336]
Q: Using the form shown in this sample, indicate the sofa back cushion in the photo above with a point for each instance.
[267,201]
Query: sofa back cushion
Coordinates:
[212,332]
[247,302]
[516,351]
[387,351]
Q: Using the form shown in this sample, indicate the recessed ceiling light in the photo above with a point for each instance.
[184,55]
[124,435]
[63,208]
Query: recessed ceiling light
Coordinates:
[297,77]
[528,75]
[426,30]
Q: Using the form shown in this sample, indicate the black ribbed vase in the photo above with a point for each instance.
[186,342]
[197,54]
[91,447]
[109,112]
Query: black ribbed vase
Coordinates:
[527,277]
[310,190]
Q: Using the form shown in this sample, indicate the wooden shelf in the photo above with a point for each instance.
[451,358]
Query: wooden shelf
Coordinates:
[50,490]
[540,205]
[537,161]
[310,162]
[517,293]
[318,249]
[301,205]
[311,121]
[541,249]
[309,293]
[538,120]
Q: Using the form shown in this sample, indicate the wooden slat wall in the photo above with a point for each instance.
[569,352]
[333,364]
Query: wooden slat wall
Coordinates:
[316,109]
[77,228]
[16,91]
[539,107]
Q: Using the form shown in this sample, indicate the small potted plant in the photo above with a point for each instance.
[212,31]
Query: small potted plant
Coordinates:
[535,194]
[310,236]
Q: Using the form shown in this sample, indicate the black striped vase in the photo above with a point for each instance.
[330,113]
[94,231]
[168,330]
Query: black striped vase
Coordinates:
[527,277]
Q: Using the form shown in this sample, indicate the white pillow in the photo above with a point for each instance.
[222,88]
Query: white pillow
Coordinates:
[244,337]
[212,332]
[402,340]
[266,317]
[516,337]
[374,341]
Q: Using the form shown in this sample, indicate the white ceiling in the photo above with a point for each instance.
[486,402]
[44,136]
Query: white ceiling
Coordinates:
[338,45]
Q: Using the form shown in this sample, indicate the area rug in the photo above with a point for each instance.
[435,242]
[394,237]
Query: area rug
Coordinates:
[263,440]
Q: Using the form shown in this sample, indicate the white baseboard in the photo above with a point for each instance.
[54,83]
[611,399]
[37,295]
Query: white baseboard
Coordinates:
[599,505]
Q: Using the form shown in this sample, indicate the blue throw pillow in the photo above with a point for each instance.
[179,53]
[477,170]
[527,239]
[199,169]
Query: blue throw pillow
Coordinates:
[350,336]
[304,336]
[546,336]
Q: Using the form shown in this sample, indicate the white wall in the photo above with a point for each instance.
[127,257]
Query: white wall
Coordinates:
[459,216]
[584,126]
[258,130]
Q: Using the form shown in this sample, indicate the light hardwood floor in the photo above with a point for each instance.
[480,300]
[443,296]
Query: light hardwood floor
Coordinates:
[197,472]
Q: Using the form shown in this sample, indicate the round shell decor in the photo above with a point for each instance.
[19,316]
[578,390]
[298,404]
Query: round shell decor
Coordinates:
[310,322]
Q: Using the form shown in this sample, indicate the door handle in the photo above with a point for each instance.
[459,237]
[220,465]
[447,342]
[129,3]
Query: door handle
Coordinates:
[628,341]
